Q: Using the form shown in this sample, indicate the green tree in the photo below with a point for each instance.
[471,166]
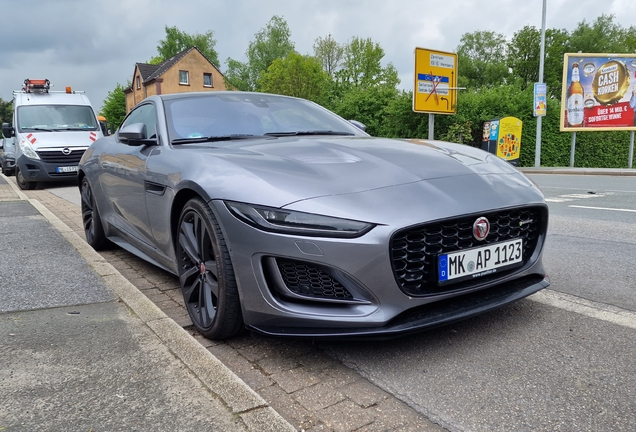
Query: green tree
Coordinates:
[177,41]
[603,35]
[362,66]
[296,75]
[269,44]
[362,87]
[6,112]
[330,53]
[114,106]
[482,59]
[523,57]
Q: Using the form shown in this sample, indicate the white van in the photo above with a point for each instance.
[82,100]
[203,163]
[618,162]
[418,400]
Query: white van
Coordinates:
[52,131]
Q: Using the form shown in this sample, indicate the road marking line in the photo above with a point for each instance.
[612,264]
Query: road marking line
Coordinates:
[558,199]
[604,208]
[588,308]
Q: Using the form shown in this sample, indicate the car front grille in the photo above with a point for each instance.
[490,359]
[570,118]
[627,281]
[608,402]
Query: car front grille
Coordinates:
[57,157]
[307,280]
[414,250]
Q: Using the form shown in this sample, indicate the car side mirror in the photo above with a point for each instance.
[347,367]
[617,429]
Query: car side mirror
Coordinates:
[359,125]
[7,130]
[135,134]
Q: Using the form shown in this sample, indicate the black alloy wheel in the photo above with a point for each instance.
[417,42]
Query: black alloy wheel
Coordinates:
[21,181]
[93,228]
[206,274]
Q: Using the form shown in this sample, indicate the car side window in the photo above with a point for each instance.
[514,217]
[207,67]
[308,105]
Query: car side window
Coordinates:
[146,114]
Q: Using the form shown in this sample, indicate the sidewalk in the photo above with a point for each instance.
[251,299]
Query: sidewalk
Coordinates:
[82,349]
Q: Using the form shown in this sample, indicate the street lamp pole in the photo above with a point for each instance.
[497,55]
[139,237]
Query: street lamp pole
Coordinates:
[537,153]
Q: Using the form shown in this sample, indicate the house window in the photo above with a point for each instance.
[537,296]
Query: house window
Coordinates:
[207,80]
[138,82]
[183,77]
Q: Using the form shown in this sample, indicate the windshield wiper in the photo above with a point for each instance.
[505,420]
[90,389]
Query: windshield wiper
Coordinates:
[39,129]
[314,132]
[212,138]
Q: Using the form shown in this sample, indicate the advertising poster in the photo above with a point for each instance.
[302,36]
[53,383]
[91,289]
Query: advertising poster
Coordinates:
[540,99]
[509,138]
[599,92]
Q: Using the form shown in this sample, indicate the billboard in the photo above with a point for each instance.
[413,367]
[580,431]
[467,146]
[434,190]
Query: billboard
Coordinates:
[435,89]
[599,92]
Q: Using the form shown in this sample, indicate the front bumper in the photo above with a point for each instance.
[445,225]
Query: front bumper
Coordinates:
[37,170]
[9,165]
[424,317]
[373,304]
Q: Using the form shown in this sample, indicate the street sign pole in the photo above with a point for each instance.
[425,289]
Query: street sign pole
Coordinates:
[537,153]
[431,126]
[631,149]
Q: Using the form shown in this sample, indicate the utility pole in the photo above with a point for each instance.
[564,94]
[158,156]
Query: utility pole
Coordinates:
[537,153]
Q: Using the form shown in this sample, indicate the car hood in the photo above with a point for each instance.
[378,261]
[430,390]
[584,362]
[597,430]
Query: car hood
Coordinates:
[61,138]
[278,172]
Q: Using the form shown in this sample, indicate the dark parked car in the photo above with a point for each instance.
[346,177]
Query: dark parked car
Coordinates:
[279,216]
[7,156]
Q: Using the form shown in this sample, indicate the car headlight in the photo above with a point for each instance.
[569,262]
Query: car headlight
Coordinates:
[28,151]
[293,222]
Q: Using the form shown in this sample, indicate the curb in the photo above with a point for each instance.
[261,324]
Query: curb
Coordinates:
[579,171]
[239,398]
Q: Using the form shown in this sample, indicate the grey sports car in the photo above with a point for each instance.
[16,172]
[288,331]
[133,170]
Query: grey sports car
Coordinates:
[280,217]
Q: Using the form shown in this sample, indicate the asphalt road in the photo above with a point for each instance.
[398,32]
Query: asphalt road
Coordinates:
[562,360]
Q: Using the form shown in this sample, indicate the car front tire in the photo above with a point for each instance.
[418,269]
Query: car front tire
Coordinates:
[21,181]
[206,274]
[93,228]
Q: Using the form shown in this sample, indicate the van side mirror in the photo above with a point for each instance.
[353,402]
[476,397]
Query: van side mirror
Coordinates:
[7,130]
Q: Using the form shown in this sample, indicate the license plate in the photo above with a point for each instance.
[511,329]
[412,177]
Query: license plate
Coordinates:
[66,169]
[480,261]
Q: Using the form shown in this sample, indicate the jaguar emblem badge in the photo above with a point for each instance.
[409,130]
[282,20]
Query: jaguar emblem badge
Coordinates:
[481,228]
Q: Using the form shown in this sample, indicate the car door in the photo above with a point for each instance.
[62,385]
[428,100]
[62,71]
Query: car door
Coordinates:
[122,173]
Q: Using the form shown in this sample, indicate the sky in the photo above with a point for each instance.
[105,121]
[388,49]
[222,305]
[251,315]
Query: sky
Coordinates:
[93,45]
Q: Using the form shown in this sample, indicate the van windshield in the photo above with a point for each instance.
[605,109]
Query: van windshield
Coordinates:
[56,117]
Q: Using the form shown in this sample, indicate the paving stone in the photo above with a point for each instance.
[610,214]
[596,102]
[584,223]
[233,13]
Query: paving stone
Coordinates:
[317,361]
[247,371]
[295,379]
[287,407]
[364,393]
[273,363]
[318,397]
[345,416]
[140,282]
[339,375]
[394,413]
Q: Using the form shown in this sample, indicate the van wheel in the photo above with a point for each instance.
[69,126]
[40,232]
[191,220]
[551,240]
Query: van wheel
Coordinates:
[22,183]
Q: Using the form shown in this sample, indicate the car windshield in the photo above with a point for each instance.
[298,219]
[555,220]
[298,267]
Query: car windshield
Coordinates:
[240,115]
[56,117]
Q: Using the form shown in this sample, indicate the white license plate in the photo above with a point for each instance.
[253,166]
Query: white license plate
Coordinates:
[480,261]
[66,169]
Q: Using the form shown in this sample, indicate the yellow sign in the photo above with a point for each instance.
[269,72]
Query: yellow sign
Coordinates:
[435,88]
[509,138]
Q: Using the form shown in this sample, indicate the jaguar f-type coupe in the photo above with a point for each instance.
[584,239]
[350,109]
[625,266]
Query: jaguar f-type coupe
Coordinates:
[283,218]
